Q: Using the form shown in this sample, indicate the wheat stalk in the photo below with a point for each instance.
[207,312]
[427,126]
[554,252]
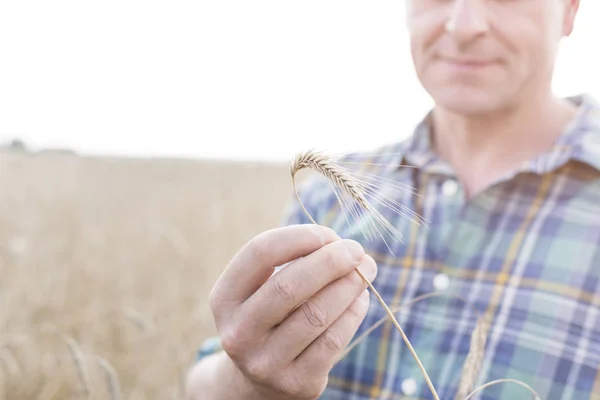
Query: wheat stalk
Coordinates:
[74,351]
[141,322]
[474,358]
[112,381]
[77,356]
[395,309]
[492,383]
[348,184]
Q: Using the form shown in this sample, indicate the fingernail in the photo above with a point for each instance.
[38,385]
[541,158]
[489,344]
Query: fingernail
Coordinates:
[331,235]
[370,274]
[327,235]
[355,250]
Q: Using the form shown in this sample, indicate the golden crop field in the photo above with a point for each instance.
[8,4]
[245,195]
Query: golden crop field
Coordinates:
[106,263]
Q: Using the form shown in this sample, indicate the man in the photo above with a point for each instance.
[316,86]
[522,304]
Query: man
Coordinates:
[508,176]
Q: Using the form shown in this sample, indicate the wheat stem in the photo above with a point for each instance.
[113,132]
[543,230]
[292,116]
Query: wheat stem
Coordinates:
[346,183]
[395,309]
[77,357]
[474,359]
[517,382]
[112,381]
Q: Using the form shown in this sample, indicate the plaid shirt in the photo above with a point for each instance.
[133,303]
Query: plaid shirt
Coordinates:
[526,250]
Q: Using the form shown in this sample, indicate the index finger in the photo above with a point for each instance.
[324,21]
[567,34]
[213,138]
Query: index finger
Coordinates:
[252,266]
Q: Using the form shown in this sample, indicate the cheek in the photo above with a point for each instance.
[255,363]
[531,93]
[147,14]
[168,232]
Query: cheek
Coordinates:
[424,33]
[528,45]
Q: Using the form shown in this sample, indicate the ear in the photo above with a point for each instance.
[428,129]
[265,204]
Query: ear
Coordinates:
[570,11]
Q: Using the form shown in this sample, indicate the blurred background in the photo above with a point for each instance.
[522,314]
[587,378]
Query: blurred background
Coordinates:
[144,142]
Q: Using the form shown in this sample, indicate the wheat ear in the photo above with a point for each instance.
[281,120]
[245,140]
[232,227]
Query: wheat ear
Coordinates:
[474,359]
[77,356]
[346,183]
[112,381]
[141,322]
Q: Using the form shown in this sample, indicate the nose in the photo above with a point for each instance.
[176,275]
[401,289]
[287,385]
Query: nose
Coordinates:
[467,21]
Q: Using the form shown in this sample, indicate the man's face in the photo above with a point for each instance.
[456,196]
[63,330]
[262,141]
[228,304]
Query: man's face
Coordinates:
[477,56]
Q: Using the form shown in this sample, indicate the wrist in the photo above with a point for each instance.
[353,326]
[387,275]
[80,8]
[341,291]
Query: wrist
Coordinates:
[216,377]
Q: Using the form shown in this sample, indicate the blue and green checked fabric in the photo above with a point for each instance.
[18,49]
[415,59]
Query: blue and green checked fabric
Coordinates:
[526,251]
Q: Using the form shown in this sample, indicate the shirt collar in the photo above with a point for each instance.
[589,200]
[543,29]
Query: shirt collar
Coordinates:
[580,141]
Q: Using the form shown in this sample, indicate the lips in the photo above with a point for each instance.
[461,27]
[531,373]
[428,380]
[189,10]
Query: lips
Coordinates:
[467,64]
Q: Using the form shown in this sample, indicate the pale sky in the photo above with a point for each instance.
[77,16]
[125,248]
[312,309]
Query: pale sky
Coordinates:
[221,78]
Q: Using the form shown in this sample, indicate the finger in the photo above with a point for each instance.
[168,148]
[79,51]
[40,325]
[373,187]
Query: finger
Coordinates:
[317,313]
[291,286]
[256,261]
[318,358]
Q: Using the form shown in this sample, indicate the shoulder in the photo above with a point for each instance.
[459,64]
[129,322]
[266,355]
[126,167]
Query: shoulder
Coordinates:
[585,135]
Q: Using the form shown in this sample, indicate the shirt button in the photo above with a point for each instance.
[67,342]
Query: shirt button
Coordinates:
[450,188]
[441,281]
[409,386]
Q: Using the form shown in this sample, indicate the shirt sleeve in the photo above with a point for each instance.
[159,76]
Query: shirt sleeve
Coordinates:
[210,346]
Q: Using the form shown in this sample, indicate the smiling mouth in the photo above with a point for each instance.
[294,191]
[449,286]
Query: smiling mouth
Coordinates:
[467,64]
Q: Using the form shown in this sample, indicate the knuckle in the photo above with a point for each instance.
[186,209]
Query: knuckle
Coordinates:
[258,369]
[298,386]
[316,236]
[315,313]
[232,343]
[331,341]
[294,387]
[283,289]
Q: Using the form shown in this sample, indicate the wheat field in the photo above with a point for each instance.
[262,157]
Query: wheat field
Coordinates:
[106,264]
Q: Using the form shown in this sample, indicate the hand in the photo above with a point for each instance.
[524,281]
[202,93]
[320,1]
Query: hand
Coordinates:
[284,332]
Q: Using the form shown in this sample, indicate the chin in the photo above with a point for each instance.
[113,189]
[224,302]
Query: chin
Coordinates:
[467,101]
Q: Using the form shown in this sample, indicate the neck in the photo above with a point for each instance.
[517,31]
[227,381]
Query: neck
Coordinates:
[482,148]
